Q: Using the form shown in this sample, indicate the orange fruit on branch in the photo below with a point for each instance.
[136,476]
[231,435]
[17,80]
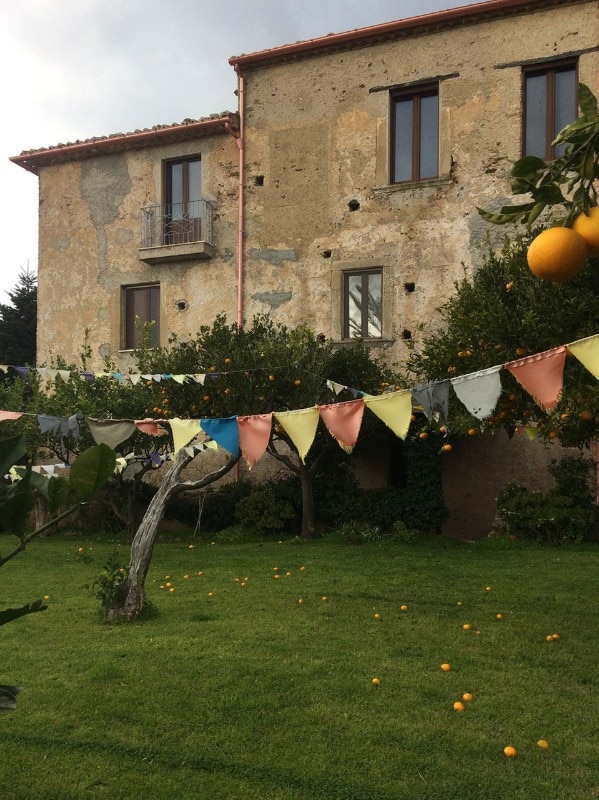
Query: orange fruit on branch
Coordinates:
[557,254]
[588,227]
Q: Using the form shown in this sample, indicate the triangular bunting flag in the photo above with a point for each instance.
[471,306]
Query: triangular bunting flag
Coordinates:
[134,377]
[110,431]
[434,399]
[224,431]
[479,391]
[587,352]
[394,409]
[336,388]
[254,436]
[300,426]
[183,430]
[4,415]
[343,421]
[541,375]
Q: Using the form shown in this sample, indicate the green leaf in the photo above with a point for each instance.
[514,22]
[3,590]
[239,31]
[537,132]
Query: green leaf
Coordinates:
[11,451]
[8,697]
[58,492]
[537,209]
[550,194]
[16,501]
[91,470]
[10,614]
[587,100]
[527,166]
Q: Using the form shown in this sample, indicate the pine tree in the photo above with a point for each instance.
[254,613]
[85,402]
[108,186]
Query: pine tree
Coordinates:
[18,322]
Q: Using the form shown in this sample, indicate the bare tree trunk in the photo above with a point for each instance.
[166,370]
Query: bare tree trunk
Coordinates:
[142,545]
[307,531]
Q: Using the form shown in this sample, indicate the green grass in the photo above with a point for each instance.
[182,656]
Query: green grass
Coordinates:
[251,695]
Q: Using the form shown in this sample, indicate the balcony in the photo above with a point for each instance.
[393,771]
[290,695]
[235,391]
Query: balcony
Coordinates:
[177,232]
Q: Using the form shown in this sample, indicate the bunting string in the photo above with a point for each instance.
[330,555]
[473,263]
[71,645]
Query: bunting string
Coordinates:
[541,375]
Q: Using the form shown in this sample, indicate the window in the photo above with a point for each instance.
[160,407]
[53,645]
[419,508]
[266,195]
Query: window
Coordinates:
[141,305]
[415,135]
[182,198]
[550,103]
[363,304]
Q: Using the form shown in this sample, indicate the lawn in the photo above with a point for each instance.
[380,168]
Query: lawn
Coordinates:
[233,688]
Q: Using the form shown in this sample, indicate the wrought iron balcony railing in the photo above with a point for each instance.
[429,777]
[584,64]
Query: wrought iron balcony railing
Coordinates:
[177,223]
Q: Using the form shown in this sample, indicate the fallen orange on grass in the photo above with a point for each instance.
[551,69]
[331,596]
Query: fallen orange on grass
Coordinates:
[376,681]
[445,667]
[510,751]
[457,706]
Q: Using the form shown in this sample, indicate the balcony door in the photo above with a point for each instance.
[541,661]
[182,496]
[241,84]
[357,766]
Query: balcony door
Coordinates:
[182,184]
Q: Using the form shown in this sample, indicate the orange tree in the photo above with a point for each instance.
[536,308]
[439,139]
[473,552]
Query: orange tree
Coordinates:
[540,291]
[250,370]
[504,313]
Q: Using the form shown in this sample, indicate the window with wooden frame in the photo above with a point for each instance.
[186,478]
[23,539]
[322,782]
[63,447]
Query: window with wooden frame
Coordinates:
[550,102]
[182,196]
[414,134]
[141,306]
[363,304]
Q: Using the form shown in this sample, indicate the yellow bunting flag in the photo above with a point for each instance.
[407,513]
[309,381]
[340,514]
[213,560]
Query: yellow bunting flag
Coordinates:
[300,426]
[587,352]
[183,430]
[394,409]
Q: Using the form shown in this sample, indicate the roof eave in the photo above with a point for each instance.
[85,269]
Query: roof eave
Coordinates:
[360,37]
[35,159]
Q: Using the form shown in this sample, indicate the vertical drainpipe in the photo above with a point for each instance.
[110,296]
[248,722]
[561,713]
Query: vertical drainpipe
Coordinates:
[239,140]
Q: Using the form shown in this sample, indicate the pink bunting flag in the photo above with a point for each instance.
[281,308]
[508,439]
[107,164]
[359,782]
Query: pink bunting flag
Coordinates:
[254,435]
[10,415]
[541,375]
[343,421]
[148,425]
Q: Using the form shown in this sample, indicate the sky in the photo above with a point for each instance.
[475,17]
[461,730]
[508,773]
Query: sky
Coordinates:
[74,69]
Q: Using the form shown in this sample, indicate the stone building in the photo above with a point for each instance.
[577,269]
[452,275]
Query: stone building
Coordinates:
[342,192]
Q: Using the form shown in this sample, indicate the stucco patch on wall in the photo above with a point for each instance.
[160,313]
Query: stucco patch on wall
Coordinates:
[104,185]
[272,256]
[273,299]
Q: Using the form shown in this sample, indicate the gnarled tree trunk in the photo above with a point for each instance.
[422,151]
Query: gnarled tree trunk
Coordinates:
[143,542]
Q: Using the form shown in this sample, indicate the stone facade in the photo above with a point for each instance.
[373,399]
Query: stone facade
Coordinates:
[315,195]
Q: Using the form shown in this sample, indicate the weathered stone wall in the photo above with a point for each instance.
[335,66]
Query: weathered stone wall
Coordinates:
[317,134]
[90,232]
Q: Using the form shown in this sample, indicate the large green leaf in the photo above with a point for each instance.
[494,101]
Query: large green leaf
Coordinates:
[16,501]
[10,614]
[91,470]
[8,697]
[586,100]
[58,490]
[11,451]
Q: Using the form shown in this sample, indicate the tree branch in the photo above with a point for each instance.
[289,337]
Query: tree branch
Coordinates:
[31,536]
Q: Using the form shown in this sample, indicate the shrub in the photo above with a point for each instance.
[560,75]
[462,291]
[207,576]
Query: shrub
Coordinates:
[263,511]
[564,514]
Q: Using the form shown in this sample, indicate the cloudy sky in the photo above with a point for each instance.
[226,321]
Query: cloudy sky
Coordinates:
[72,69]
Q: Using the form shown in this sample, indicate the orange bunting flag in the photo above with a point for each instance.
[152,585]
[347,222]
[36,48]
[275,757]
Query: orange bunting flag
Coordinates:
[394,409]
[254,435]
[300,426]
[541,375]
[183,431]
[587,352]
[343,421]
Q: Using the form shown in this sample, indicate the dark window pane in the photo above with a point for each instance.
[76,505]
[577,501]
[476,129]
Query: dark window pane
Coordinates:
[363,304]
[403,140]
[536,115]
[354,305]
[429,136]
[565,103]
[142,305]
[194,192]
[175,194]
[375,319]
